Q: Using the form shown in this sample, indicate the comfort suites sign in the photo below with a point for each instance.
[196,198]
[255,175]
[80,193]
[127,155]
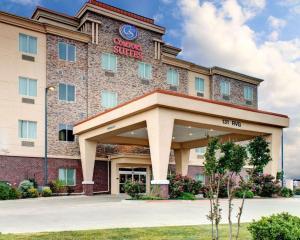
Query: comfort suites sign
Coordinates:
[125,46]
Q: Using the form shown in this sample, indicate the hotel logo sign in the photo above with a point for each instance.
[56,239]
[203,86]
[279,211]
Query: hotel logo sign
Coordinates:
[233,123]
[128,32]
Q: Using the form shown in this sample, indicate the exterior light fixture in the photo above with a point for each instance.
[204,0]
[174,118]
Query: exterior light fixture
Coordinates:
[132,133]
[189,127]
[190,134]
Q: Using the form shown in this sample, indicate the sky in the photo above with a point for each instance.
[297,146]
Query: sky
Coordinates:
[260,38]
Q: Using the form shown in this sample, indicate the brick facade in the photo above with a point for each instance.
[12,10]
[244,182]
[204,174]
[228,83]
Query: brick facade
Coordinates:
[236,91]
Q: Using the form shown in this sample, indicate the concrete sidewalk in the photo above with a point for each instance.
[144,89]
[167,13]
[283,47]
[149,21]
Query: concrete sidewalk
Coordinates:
[100,212]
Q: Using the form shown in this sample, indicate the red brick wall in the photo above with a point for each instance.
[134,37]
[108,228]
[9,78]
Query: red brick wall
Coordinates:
[16,169]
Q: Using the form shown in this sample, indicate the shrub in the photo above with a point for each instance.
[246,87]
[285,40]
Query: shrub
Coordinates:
[32,193]
[240,193]
[14,193]
[265,185]
[297,191]
[46,192]
[24,187]
[57,186]
[4,191]
[179,184]
[286,192]
[147,197]
[187,196]
[281,226]
[34,182]
[134,189]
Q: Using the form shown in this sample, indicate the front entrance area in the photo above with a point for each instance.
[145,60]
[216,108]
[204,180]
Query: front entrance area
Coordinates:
[134,175]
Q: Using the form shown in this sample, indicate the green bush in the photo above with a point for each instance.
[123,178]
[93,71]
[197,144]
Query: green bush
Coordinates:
[276,227]
[187,196]
[24,187]
[240,193]
[4,191]
[57,186]
[32,193]
[180,184]
[297,191]
[147,197]
[286,192]
[46,192]
[134,189]
[265,185]
[14,193]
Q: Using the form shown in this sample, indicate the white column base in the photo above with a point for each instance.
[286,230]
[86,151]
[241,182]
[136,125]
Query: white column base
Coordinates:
[160,182]
[88,182]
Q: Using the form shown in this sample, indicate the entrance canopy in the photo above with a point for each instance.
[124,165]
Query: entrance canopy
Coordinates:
[166,120]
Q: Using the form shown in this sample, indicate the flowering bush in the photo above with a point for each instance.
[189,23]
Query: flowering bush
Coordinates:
[57,186]
[265,185]
[46,192]
[32,193]
[182,184]
[24,187]
[134,189]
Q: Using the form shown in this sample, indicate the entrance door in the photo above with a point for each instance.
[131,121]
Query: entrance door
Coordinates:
[132,174]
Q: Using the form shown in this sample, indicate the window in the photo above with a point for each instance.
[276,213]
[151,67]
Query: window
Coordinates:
[27,87]
[27,44]
[200,177]
[66,133]
[67,52]
[225,88]
[145,70]
[109,99]
[109,62]
[199,85]
[248,93]
[27,129]
[67,176]
[66,92]
[201,151]
[173,77]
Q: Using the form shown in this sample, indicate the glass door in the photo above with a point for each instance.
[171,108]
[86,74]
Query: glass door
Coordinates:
[132,174]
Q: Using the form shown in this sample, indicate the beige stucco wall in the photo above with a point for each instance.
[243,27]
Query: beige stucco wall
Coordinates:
[11,107]
[192,90]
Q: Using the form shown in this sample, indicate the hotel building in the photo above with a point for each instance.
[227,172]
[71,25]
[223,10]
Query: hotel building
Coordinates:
[120,104]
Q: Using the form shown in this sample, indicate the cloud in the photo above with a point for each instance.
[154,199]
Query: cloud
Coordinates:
[276,24]
[220,35]
[26,2]
[293,5]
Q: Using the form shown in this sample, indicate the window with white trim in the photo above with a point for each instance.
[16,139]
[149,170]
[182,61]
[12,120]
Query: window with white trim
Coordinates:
[200,177]
[27,87]
[248,93]
[67,176]
[109,62]
[109,99]
[27,129]
[66,52]
[200,151]
[27,44]
[173,77]
[65,133]
[66,92]
[199,85]
[145,70]
[225,88]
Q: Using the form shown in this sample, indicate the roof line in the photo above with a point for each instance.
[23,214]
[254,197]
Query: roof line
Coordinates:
[184,96]
[54,12]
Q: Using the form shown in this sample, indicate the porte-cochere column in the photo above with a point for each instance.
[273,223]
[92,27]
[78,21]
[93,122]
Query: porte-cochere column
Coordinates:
[88,156]
[160,130]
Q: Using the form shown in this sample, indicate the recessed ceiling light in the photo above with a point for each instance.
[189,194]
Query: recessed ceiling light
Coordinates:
[173,138]
[190,134]
[211,130]
[132,133]
[189,127]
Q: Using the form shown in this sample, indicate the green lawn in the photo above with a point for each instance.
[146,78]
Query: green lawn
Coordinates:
[160,233]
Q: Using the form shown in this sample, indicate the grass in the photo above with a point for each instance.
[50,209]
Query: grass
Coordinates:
[201,232]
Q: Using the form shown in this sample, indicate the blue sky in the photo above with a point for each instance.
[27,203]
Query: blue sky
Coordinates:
[256,37]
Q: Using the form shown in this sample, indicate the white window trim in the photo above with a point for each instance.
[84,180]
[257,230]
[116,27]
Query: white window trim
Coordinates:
[74,177]
[109,63]
[144,68]
[27,36]
[229,88]
[174,70]
[27,96]
[67,101]
[27,130]
[103,91]
[67,52]
[67,127]
[248,88]
[203,85]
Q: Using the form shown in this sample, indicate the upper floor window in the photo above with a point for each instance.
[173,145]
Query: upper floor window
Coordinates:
[201,151]
[27,87]
[109,62]
[67,52]
[27,129]
[145,70]
[66,133]
[67,176]
[66,92]
[109,99]
[225,88]
[27,44]
[199,85]
[173,77]
[248,93]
